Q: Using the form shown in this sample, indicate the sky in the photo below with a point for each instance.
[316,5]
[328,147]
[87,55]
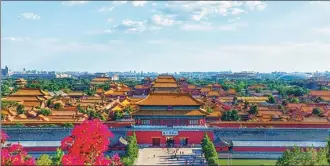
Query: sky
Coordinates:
[166,36]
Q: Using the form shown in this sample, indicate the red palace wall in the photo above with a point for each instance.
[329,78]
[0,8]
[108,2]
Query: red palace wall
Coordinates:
[270,124]
[194,137]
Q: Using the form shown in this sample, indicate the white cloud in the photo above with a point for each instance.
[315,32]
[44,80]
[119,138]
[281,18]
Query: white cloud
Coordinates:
[325,31]
[116,41]
[235,19]
[128,26]
[314,2]
[236,11]
[73,3]
[208,27]
[196,27]
[118,3]
[109,20]
[105,9]
[256,5]
[30,16]
[158,41]
[154,4]
[162,20]
[289,56]
[202,10]
[97,32]
[139,3]
[154,28]
[19,39]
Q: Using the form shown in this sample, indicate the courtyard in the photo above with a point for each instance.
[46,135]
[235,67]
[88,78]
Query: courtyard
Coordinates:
[170,156]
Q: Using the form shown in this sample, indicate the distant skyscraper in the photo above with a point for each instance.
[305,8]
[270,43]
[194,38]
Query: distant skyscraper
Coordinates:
[4,71]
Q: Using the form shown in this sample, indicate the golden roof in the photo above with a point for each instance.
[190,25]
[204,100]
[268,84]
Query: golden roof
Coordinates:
[165,85]
[109,92]
[253,99]
[213,93]
[214,114]
[76,93]
[101,80]
[169,99]
[205,89]
[166,77]
[191,86]
[320,93]
[29,92]
[171,113]
[165,80]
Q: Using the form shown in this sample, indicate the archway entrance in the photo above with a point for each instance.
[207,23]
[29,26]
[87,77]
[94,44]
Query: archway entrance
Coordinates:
[183,141]
[155,141]
[169,141]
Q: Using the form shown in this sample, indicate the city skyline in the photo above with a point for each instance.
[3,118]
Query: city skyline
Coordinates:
[166,36]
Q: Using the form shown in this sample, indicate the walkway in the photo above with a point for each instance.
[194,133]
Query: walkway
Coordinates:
[164,157]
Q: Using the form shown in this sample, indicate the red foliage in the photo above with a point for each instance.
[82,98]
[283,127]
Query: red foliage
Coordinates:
[4,137]
[15,154]
[87,144]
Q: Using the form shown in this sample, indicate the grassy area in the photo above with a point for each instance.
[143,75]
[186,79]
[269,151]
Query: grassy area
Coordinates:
[248,162]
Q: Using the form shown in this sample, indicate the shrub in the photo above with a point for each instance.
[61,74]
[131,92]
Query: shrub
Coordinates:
[127,161]
[57,158]
[20,109]
[253,110]
[18,124]
[316,111]
[57,106]
[44,111]
[68,125]
[44,160]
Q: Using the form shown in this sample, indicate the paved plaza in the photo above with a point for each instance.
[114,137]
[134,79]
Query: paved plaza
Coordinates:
[166,156]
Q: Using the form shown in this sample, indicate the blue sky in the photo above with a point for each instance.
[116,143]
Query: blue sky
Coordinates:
[166,36]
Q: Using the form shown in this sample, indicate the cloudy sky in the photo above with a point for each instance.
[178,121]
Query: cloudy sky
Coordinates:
[166,36]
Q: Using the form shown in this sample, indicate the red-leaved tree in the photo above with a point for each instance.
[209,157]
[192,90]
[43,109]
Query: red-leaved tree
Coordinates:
[87,144]
[15,154]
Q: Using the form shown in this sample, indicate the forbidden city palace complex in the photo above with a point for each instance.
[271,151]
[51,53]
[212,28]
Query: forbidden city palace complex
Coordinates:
[166,112]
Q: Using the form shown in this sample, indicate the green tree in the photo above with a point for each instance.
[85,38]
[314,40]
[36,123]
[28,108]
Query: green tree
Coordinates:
[231,115]
[5,91]
[209,109]
[129,109]
[298,156]
[118,115]
[246,105]
[294,100]
[316,111]
[48,103]
[319,99]
[68,125]
[57,106]
[20,109]
[132,150]
[57,158]
[7,104]
[44,111]
[284,102]
[253,110]
[209,151]
[271,99]
[44,159]
[258,90]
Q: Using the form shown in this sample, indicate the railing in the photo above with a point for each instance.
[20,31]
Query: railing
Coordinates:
[125,120]
[160,127]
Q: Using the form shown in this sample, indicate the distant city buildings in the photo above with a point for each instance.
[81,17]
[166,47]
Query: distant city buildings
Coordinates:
[5,71]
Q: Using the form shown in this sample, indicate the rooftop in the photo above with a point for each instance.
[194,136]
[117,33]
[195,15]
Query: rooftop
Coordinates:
[169,99]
